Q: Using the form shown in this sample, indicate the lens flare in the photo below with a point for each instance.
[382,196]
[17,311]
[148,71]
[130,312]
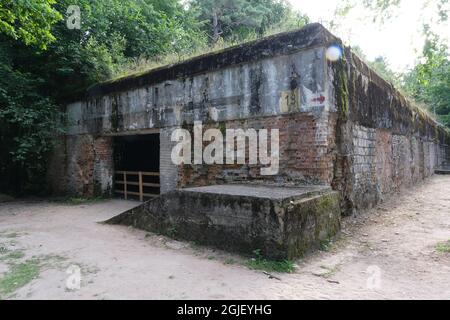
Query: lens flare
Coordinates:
[334,53]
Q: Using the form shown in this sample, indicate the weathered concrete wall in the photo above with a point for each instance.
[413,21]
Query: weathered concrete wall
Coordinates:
[277,83]
[385,143]
[340,124]
[168,171]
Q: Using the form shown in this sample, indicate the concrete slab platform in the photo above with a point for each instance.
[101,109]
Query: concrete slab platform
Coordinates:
[282,222]
[443,171]
[260,191]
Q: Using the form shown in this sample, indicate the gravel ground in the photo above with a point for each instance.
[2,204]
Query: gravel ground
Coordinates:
[52,250]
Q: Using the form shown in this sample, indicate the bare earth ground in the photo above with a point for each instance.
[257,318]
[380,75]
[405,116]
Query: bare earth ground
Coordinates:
[388,253]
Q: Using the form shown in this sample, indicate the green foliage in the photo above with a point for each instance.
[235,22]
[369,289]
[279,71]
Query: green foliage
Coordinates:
[429,80]
[144,27]
[326,245]
[428,83]
[172,232]
[230,261]
[33,83]
[383,10]
[12,256]
[29,21]
[381,67]
[259,263]
[235,20]
[20,272]
[115,33]
[443,247]
[19,275]
[381,4]
[27,126]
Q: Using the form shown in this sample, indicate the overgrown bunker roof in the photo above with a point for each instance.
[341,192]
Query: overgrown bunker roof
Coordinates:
[312,35]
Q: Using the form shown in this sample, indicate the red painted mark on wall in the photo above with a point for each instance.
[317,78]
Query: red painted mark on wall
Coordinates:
[320,99]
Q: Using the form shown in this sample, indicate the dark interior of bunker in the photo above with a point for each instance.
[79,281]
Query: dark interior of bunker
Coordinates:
[134,154]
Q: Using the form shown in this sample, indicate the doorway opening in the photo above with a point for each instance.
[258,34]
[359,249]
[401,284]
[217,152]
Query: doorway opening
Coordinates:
[136,163]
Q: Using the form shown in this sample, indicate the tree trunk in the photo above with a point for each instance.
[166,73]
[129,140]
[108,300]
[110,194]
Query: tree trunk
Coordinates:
[215,27]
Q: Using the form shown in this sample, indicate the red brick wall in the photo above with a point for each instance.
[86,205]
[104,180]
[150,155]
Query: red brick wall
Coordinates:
[82,165]
[306,153]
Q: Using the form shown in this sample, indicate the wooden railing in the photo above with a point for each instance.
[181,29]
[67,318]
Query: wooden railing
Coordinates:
[126,182]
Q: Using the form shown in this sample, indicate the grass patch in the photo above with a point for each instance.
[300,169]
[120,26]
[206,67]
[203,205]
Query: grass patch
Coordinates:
[443,247]
[10,235]
[139,66]
[230,261]
[22,272]
[330,271]
[19,275]
[172,232]
[260,263]
[3,249]
[13,255]
[326,245]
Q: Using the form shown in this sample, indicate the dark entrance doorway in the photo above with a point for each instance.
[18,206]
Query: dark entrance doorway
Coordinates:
[136,162]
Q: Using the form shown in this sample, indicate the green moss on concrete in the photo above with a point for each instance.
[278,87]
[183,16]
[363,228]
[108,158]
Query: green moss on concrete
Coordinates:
[223,128]
[324,203]
[326,213]
[281,229]
[341,87]
[114,118]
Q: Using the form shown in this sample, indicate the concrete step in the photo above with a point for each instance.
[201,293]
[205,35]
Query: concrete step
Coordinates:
[282,222]
[443,170]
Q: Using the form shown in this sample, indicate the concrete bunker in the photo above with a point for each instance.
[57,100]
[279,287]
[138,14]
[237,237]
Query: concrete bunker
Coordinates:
[342,129]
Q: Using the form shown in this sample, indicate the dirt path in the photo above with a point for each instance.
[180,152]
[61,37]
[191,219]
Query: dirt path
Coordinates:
[392,252]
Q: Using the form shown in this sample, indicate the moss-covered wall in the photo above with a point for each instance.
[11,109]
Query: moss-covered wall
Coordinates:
[384,142]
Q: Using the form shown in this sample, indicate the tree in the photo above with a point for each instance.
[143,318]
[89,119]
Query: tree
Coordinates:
[34,82]
[113,32]
[384,9]
[42,61]
[27,127]
[29,21]
[429,80]
[381,66]
[237,20]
